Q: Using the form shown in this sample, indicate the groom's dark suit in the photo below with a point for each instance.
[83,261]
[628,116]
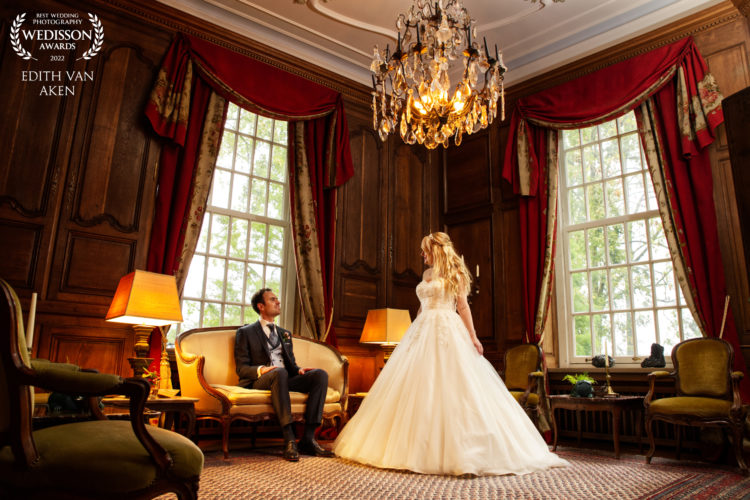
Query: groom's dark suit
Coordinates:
[251,351]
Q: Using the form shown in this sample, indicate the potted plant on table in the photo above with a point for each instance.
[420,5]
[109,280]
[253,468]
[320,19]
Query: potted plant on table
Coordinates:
[582,385]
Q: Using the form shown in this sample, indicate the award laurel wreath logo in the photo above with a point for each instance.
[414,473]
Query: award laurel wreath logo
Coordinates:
[96,44]
[15,41]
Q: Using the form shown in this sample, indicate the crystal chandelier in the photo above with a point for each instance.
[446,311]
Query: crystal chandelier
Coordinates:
[412,90]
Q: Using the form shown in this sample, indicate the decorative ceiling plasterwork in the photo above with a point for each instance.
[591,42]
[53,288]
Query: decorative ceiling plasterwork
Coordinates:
[339,35]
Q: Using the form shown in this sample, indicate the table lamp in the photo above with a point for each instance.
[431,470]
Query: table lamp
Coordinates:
[145,300]
[385,327]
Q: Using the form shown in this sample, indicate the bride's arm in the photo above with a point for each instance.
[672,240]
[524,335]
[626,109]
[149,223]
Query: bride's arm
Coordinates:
[463,310]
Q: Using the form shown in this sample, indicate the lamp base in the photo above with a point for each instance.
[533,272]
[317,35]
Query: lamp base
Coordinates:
[387,351]
[139,365]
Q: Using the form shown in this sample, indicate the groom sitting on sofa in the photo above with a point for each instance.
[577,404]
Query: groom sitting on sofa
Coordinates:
[265,360]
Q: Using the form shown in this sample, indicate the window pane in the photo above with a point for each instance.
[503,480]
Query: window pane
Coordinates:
[601,333]
[577,250]
[659,246]
[247,122]
[215,279]
[634,193]
[669,328]
[240,192]
[630,148]
[262,158]
[226,151]
[273,278]
[257,241]
[570,139]
[645,332]
[580,292]
[599,291]
[275,244]
[690,329]
[280,134]
[577,207]
[596,201]
[254,280]
[235,280]
[664,287]
[258,197]
[231,121]
[265,128]
[626,123]
[573,167]
[597,255]
[608,129]
[641,279]
[582,335]
[278,163]
[250,315]
[194,282]
[638,241]
[616,242]
[238,244]
[588,135]
[191,315]
[244,154]
[615,198]
[219,230]
[220,188]
[232,315]
[276,200]
[620,288]
[211,314]
[623,333]
[592,167]
[611,158]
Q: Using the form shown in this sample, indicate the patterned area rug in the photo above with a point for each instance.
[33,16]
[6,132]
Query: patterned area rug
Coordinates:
[263,474]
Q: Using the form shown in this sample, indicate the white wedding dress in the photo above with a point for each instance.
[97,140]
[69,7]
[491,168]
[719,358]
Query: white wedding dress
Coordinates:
[438,407]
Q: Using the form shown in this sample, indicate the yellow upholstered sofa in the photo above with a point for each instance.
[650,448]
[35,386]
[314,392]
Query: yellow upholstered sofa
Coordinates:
[205,361]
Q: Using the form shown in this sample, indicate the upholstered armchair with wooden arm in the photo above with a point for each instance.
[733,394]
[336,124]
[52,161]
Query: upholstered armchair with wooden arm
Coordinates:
[94,459]
[522,375]
[707,393]
[205,361]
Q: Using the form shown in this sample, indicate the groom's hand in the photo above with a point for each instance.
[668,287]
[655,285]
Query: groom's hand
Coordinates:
[266,369]
[302,371]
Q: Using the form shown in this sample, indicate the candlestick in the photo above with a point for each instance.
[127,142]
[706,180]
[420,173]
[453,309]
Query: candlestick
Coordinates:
[30,324]
[610,393]
[477,270]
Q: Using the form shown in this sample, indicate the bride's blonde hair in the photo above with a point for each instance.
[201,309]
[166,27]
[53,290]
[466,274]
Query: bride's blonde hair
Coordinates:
[446,263]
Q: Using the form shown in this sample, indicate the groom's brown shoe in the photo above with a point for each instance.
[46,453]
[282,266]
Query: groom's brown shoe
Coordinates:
[314,449]
[290,451]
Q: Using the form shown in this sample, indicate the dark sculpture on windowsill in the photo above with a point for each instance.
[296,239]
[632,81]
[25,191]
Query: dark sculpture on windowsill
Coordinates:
[656,360]
[598,361]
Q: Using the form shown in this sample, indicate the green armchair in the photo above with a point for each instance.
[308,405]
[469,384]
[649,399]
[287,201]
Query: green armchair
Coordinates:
[93,459]
[707,392]
[522,375]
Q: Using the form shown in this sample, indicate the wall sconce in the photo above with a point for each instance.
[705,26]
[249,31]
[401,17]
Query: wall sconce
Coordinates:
[145,300]
[385,327]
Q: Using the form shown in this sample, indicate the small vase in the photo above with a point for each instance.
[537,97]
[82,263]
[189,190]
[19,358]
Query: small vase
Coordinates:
[154,389]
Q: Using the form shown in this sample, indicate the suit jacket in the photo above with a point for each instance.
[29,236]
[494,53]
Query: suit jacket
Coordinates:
[251,351]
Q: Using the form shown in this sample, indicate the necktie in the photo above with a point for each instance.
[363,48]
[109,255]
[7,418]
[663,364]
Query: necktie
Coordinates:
[273,338]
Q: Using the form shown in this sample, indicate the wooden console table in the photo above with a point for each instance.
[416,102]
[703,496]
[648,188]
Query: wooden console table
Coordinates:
[613,405]
[170,408]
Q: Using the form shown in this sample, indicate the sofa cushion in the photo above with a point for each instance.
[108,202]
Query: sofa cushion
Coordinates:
[685,405]
[243,396]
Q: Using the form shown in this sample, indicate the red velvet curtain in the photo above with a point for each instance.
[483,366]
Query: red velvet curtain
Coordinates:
[603,96]
[194,66]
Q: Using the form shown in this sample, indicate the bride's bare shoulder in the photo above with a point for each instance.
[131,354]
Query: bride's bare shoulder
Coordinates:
[427,275]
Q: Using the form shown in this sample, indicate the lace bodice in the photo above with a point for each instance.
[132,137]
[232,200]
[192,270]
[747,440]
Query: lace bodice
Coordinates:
[434,295]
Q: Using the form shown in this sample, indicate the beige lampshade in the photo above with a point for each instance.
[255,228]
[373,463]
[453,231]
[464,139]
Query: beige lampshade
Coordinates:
[145,298]
[385,326]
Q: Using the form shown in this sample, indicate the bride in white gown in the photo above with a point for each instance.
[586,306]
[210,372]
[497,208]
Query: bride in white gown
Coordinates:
[438,406]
